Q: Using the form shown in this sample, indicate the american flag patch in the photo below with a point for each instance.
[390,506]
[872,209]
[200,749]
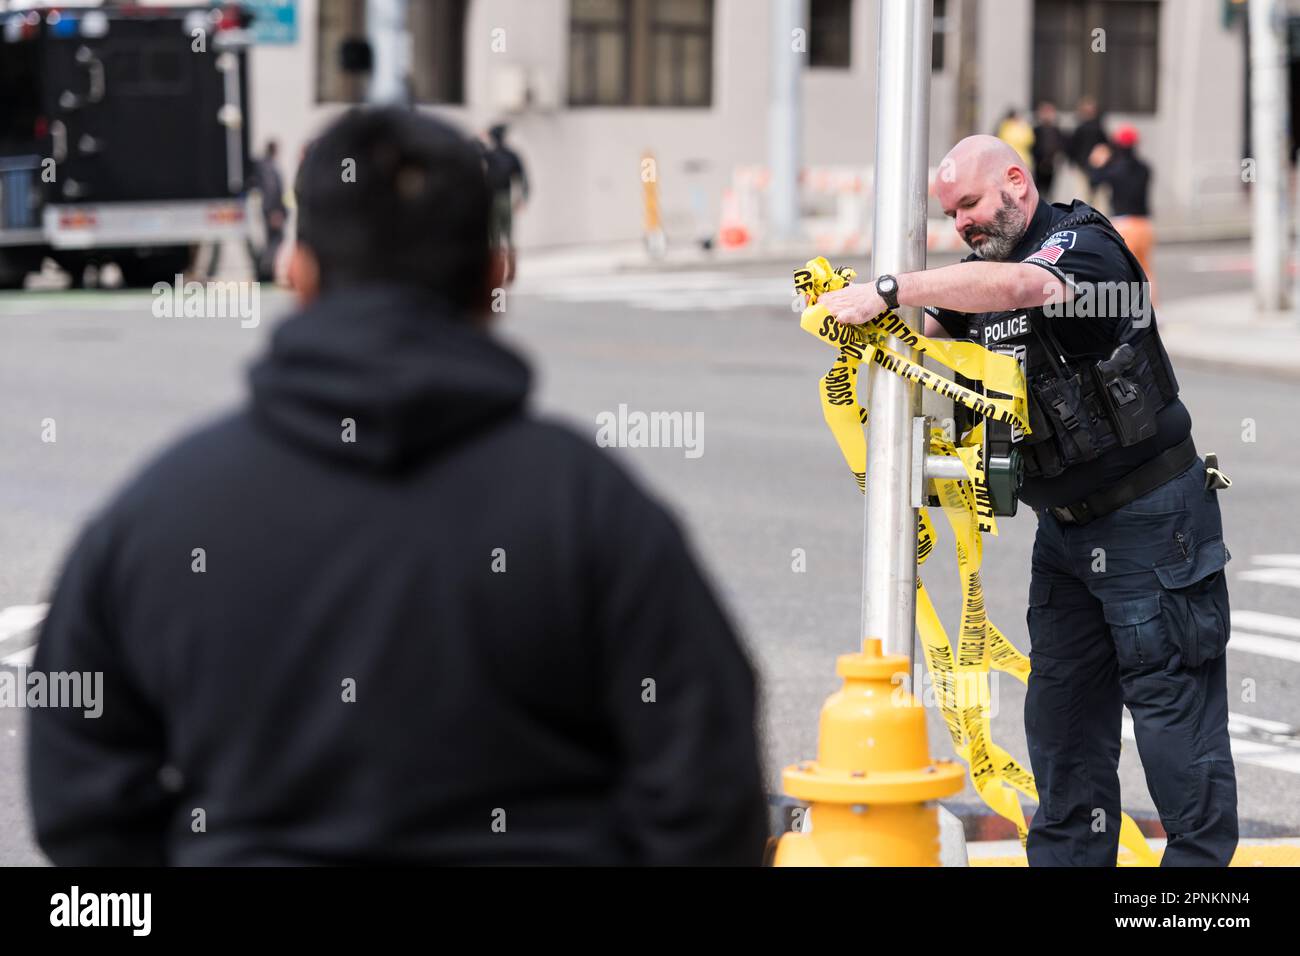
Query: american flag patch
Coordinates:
[1047,254]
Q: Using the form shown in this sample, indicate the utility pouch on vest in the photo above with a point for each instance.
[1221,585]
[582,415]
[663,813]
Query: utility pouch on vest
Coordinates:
[1061,402]
[1126,405]
[1039,450]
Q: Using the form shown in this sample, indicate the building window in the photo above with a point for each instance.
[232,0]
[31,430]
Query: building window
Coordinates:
[338,20]
[641,53]
[1066,66]
[438,50]
[598,52]
[437,29]
[829,23]
[681,52]
[939,38]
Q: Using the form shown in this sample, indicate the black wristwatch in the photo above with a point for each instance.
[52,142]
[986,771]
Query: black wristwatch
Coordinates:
[887,289]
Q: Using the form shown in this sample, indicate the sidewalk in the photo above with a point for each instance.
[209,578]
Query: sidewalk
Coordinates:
[631,256]
[1224,331]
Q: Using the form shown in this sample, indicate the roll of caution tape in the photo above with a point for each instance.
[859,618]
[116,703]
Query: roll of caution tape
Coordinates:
[960,676]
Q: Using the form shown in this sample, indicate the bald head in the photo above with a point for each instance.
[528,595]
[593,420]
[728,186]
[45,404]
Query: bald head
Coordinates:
[981,159]
[984,186]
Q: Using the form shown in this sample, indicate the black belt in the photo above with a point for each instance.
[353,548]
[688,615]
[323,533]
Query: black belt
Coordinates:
[1168,464]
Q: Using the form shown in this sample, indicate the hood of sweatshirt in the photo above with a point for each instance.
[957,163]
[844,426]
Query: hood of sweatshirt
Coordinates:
[384,376]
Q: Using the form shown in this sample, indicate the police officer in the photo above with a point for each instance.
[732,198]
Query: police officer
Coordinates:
[1128,601]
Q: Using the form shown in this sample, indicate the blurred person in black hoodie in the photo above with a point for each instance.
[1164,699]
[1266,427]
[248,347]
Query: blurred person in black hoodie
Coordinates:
[423,625]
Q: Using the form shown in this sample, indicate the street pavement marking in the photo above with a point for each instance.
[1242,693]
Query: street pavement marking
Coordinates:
[21,658]
[18,633]
[1287,577]
[1276,623]
[20,618]
[1283,569]
[1255,752]
[42,303]
[1280,648]
[667,291]
[1262,725]
[1275,647]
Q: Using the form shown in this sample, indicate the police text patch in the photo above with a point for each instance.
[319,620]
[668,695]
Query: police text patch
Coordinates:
[1008,328]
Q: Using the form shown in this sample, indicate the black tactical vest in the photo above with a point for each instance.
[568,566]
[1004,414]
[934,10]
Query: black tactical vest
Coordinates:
[1080,406]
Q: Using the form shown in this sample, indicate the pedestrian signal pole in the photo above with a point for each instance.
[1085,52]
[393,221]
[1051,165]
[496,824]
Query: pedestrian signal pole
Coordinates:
[1268,77]
[871,795]
[898,245]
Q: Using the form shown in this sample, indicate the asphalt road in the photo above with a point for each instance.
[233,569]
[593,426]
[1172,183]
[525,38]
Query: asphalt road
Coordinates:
[119,383]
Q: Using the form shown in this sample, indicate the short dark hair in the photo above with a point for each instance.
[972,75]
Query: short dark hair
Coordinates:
[394,195]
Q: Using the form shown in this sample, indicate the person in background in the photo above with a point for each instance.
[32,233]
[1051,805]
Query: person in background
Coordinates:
[1129,178]
[274,212]
[1019,135]
[1088,132]
[1122,479]
[382,613]
[1049,146]
[505,174]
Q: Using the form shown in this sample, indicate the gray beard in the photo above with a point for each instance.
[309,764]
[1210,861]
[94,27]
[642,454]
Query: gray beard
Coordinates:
[1003,234]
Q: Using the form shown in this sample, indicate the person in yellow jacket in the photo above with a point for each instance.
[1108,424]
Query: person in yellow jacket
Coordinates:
[1019,135]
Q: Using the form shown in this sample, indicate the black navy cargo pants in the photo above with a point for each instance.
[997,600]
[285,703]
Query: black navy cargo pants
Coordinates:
[1132,609]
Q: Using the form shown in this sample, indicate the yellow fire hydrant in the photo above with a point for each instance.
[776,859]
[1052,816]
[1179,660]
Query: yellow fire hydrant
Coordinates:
[873,786]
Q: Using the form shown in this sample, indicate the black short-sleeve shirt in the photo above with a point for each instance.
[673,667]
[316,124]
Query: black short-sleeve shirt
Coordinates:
[1090,260]
[1086,258]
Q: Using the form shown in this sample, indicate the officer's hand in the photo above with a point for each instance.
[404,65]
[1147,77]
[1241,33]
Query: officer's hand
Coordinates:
[855,305]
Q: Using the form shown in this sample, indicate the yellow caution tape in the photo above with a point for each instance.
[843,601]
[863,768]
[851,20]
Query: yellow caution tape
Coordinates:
[961,677]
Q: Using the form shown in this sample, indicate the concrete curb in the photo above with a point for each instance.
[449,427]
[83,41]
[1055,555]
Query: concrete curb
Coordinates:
[952,839]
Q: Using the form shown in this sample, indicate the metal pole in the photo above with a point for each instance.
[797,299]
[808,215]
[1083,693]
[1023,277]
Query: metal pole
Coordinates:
[784,121]
[386,30]
[1268,76]
[968,73]
[898,244]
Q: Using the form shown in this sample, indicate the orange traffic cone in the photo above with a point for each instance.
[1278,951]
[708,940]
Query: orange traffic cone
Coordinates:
[732,232]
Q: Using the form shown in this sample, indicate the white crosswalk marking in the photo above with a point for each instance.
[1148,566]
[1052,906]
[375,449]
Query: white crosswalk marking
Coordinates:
[1280,569]
[20,618]
[1275,756]
[1261,725]
[1286,577]
[669,292]
[1264,645]
[1277,560]
[18,633]
[22,658]
[1275,623]
[1276,647]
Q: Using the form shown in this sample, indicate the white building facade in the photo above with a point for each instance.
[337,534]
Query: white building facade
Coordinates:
[589,86]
